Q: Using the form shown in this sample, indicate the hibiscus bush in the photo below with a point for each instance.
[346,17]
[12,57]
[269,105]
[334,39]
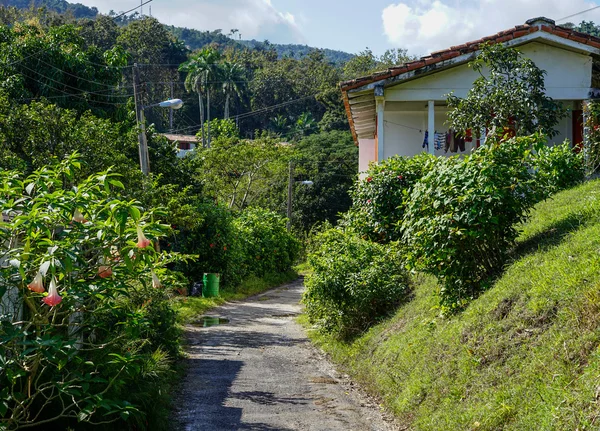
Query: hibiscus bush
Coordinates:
[354,282]
[460,221]
[86,334]
[378,200]
[558,167]
[267,246]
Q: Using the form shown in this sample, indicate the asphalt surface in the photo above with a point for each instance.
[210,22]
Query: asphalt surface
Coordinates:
[260,372]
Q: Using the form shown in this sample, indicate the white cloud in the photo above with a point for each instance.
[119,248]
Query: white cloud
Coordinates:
[255,19]
[423,26]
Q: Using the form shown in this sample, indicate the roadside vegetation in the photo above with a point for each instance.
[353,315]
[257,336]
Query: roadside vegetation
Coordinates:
[522,356]
[99,260]
[490,319]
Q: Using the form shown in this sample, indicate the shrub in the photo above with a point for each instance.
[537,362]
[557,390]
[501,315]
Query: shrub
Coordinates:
[78,354]
[354,284]
[460,219]
[558,167]
[267,245]
[379,198]
[210,237]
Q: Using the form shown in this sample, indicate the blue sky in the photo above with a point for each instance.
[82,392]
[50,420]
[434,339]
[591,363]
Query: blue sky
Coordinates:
[421,26]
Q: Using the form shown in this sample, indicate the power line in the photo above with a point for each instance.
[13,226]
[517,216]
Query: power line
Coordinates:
[578,13]
[75,76]
[130,10]
[61,83]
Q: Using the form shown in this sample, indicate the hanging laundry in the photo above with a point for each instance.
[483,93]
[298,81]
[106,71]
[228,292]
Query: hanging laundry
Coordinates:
[449,140]
[426,140]
[469,135]
[439,141]
[459,140]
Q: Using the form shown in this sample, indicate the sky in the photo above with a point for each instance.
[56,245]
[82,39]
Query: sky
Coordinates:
[421,26]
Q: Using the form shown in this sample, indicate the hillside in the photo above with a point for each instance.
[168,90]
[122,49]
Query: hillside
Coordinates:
[59,6]
[524,356]
[192,38]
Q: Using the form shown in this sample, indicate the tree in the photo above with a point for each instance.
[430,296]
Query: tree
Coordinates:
[509,96]
[241,173]
[234,83]
[330,161]
[202,69]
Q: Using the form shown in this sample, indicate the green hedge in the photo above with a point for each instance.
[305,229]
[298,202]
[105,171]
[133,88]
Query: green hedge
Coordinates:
[354,282]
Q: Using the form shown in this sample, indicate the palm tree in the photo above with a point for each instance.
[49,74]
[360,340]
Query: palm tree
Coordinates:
[202,69]
[233,77]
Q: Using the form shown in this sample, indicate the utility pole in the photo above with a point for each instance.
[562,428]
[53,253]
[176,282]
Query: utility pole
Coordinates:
[171,110]
[141,120]
[289,196]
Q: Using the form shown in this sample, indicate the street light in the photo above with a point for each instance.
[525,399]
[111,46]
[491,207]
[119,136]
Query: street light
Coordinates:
[289,197]
[141,120]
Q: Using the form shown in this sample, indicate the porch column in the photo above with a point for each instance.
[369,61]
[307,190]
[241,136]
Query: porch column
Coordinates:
[431,125]
[380,102]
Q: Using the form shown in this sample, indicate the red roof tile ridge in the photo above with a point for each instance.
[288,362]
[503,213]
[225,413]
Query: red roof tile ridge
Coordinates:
[531,26]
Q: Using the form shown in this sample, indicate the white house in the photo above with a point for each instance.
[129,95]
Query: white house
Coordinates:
[403,110]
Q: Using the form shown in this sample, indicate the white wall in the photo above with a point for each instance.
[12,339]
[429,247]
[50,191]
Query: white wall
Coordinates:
[366,153]
[569,77]
[405,132]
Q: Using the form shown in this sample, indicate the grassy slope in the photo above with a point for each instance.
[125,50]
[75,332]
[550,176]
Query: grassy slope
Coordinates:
[524,356]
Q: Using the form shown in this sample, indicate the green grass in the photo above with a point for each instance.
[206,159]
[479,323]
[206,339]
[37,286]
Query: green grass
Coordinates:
[523,356]
[190,308]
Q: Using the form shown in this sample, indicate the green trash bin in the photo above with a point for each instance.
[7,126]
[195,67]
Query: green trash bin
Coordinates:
[210,285]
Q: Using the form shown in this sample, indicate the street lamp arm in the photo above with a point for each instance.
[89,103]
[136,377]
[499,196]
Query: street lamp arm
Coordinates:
[171,103]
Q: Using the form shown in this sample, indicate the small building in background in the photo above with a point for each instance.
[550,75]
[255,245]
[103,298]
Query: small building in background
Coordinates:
[185,143]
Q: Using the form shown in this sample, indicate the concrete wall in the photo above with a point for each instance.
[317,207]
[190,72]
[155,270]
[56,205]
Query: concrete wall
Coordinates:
[405,131]
[569,77]
[366,153]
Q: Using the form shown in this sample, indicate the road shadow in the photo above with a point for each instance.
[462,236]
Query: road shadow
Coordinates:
[207,383]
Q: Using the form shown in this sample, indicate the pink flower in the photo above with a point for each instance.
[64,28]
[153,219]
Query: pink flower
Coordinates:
[155,281]
[400,177]
[78,217]
[37,285]
[53,297]
[143,242]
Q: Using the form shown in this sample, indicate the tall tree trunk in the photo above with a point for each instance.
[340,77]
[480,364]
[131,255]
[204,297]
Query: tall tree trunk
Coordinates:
[227,106]
[201,106]
[208,115]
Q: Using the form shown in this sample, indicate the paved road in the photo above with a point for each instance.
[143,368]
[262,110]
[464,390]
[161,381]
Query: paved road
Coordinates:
[259,372]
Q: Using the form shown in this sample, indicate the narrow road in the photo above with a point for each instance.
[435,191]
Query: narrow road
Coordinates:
[259,372]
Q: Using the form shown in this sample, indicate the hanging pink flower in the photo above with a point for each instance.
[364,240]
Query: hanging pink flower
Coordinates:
[37,285]
[78,217]
[155,281]
[143,242]
[53,297]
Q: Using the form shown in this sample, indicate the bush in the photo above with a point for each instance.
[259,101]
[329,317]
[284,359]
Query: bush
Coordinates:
[379,198]
[96,347]
[460,219]
[212,240]
[267,245]
[559,167]
[354,283]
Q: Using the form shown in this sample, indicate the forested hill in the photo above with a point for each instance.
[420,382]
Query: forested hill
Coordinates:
[60,6]
[192,38]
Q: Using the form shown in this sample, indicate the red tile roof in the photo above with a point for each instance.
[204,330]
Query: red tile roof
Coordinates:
[532,26]
[181,138]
